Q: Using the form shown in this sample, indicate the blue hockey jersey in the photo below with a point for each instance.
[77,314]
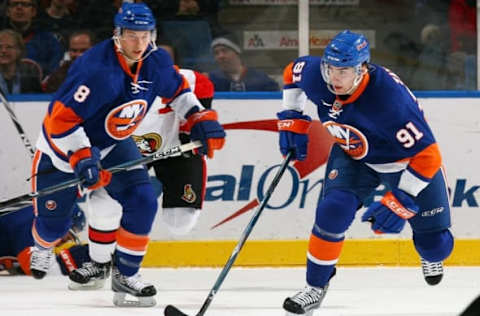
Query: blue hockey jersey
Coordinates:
[102,101]
[380,124]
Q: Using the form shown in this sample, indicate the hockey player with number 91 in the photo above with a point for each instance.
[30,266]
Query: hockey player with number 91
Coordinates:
[381,137]
[105,96]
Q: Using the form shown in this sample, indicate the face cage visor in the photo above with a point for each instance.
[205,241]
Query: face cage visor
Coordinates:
[117,33]
[324,68]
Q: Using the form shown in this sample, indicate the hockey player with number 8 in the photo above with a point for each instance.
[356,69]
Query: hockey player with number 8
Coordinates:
[381,137]
[105,96]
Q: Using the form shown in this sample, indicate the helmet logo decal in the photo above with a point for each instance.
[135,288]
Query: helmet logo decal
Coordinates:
[123,120]
[350,139]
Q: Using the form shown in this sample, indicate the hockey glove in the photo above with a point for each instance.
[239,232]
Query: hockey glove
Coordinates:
[206,128]
[293,128]
[85,163]
[390,214]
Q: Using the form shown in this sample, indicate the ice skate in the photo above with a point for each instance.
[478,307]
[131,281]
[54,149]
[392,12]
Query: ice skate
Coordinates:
[432,271]
[133,285]
[91,276]
[40,261]
[305,301]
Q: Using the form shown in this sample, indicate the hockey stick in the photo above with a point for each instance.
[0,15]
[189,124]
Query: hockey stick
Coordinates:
[18,126]
[171,310]
[473,309]
[121,167]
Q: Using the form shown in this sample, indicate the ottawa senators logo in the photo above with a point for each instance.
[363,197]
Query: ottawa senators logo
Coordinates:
[189,195]
[123,120]
[350,139]
[148,143]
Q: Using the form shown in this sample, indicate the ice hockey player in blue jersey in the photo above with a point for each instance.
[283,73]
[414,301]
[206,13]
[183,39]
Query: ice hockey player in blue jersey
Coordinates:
[381,137]
[87,129]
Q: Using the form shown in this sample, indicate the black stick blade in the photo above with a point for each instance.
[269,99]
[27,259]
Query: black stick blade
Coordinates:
[171,310]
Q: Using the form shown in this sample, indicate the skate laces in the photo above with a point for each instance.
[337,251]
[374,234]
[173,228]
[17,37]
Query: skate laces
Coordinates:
[133,282]
[90,269]
[307,296]
[432,268]
[41,258]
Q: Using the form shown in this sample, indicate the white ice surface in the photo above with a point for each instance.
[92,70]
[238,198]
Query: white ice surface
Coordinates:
[254,292]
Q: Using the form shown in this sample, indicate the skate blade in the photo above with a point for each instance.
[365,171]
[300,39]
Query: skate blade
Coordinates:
[90,286]
[308,313]
[119,299]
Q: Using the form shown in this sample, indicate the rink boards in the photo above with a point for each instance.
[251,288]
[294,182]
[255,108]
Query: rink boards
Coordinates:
[239,175]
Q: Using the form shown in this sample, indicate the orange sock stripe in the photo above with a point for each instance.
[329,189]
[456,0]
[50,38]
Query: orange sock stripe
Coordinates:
[42,242]
[24,260]
[131,241]
[323,249]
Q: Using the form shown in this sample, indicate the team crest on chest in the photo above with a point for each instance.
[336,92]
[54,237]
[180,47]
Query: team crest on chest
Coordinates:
[350,139]
[189,195]
[148,143]
[122,121]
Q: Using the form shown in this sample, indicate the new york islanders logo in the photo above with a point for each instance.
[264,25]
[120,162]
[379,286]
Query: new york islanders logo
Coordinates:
[122,121]
[148,143]
[189,195]
[350,139]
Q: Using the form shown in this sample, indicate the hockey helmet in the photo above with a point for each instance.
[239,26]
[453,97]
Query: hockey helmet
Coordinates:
[346,49]
[135,16]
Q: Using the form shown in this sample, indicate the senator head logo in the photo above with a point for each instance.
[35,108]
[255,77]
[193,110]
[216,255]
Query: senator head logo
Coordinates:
[122,121]
[350,139]
[148,143]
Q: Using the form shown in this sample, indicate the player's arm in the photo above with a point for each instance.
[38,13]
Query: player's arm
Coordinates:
[203,123]
[293,125]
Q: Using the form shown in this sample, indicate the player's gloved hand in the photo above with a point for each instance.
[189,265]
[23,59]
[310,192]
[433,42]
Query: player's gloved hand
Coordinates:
[390,214]
[86,165]
[206,128]
[293,128]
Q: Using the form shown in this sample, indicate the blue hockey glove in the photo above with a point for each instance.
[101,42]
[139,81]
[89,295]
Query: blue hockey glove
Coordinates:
[85,163]
[293,128]
[206,128]
[390,214]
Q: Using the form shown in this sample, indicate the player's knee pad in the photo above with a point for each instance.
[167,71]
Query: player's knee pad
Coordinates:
[434,246]
[104,211]
[139,205]
[335,213]
[180,220]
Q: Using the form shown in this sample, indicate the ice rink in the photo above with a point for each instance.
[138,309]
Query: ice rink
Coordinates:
[254,292]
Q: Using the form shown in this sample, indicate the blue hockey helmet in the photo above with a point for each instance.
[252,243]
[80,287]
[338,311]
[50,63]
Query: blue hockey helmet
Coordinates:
[135,16]
[78,219]
[347,49]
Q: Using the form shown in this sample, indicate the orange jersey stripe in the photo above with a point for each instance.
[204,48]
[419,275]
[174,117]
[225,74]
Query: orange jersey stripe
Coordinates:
[42,242]
[361,87]
[131,241]
[61,119]
[288,74]
[427,162]
[323,249]
[36,160]
[185,85]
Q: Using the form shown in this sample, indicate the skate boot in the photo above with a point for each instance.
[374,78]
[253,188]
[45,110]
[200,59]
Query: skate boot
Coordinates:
[91,276]
[40,261]
[305,301]
[432,271]
[133,285]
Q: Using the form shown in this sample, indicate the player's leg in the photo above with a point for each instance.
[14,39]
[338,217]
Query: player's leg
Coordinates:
[347,183]
[54,213]
[183,180]
[431,235]
[103,222]
[135,193]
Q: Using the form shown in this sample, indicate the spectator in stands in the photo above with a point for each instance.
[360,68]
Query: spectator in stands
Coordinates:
[462,18]
[17,75]
[41,46]
[58,18]
[78,43]
[232,74]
